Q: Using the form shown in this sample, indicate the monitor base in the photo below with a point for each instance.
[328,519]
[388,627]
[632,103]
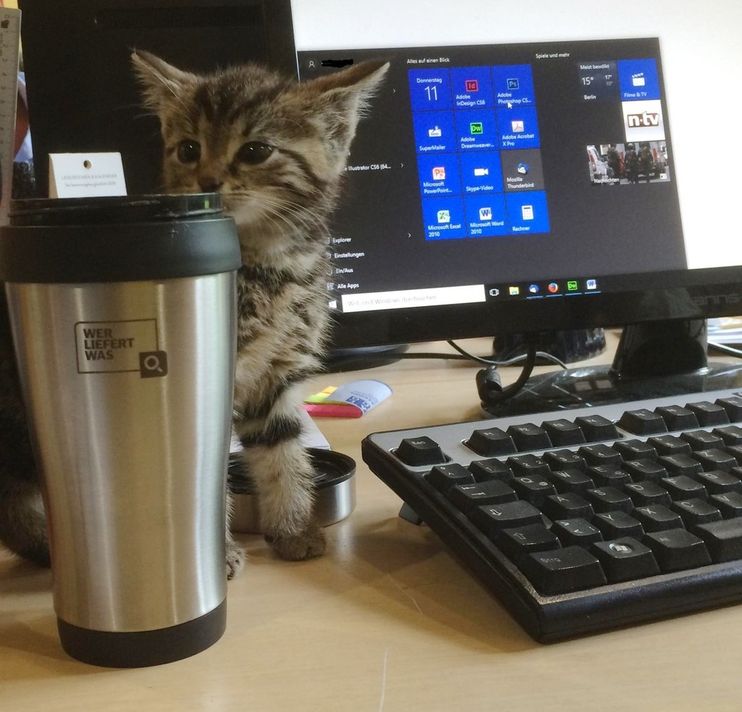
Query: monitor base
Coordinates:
[653,360]
[599,385]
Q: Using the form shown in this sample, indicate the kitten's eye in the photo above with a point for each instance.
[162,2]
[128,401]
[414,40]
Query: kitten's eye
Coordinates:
[189,151]
[254,152]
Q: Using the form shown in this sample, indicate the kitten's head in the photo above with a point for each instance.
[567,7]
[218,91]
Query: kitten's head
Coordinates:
[274,148]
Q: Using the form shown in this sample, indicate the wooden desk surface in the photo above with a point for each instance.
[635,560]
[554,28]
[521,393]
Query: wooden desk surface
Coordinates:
[386,620]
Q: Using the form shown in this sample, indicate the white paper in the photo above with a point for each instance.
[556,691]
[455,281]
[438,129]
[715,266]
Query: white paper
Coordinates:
[86,175]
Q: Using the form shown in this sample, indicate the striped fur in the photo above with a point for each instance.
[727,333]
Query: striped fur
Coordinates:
[281,206]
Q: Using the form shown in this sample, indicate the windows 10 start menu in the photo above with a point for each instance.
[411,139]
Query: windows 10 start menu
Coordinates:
[493,172]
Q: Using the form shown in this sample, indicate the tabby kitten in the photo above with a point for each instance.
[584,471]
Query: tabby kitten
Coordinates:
[276,151]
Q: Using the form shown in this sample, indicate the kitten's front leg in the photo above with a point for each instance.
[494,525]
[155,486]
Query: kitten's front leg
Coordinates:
[282,471]
[235,553]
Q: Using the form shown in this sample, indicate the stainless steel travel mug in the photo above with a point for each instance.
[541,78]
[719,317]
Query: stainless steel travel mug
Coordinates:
[123,317]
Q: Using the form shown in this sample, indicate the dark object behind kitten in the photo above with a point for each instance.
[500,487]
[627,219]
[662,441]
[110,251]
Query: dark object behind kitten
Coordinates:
[276,151]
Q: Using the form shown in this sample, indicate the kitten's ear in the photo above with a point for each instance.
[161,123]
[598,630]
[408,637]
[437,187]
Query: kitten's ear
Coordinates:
[362,80]
[340,99]
[160,81]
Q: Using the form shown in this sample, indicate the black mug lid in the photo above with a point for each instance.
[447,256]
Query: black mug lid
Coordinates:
[114,209]
[117,239]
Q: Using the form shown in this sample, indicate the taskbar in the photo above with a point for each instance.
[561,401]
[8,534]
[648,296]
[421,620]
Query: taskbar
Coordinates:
[462,294]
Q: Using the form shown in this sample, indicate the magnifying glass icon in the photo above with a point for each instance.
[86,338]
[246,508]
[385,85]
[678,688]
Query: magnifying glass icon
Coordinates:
[152,364]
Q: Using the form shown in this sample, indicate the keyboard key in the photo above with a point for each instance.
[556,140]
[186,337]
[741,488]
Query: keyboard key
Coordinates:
[635,450]
[571,481]
[492,518]
[490,441]
[491,469]
[607,475]
[729,504]
[696,511]
[729,434]
[717,482]
[723,539]
[516,543]
[576,532]
[657,518]
[569,505]
[443,477]
[563,570]
[683,487]
[642,422]
[528,436]
[600,454]
[564,460]
[625,559]
[709,413]
[645,470]
[533,489]
[715,459]
[563,432]
[647,493]
[613,525]
[466,497]
[702,439]
[736,452]
[528,466]
[680,464]
[677,549]
[420,451]
[670,445]
[596,428]
[608,499]
[677,417]
[733,407]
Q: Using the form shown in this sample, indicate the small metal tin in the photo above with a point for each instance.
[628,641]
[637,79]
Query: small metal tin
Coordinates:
[335,491]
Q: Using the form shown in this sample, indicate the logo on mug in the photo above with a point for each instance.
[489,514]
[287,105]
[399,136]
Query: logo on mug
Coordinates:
[153,364]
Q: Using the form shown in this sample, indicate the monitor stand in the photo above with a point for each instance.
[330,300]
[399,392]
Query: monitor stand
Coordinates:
[654,359]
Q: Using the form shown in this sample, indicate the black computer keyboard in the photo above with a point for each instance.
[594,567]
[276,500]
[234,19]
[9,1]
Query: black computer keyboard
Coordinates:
[587,519]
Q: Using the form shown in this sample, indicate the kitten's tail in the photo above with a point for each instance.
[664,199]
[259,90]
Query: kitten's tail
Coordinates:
[23,522]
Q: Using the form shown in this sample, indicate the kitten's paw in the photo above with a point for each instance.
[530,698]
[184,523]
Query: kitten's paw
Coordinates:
[235,560]
[297,547]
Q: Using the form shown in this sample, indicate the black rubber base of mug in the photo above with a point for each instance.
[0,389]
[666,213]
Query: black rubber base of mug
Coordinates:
[143,648]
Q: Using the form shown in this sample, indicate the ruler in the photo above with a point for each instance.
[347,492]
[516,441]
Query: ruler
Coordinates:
[10,36]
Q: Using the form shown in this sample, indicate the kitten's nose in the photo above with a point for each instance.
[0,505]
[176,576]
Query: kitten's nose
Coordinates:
[210,184]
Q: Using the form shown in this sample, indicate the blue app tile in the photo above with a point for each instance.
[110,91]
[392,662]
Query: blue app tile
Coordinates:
[481,172]
[434,131]
[513,85]
[518,127]
[443,218]
[638,79]
[527,212]
[485,216]
[439,174]
[430,89]
[472,88]
[476,130]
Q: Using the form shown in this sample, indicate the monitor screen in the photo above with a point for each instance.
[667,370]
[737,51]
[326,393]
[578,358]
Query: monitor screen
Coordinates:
[522,186]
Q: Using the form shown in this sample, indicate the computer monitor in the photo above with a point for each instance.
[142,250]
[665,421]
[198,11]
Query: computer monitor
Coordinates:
[607,182]
[81,90]
[505,186]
